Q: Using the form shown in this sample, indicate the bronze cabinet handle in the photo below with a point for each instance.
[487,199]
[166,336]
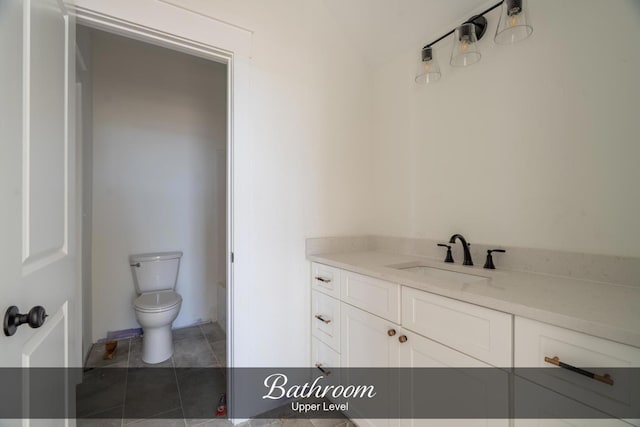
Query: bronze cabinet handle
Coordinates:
[403,339]
[391,332]
[606,378]
[323,279]
[322,319]
[324,371]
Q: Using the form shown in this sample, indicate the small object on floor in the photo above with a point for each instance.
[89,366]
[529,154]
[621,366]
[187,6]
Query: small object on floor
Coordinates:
[221,411]
[110,348]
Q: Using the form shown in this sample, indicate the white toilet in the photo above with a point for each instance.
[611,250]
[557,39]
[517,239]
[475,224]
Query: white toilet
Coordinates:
[157,305]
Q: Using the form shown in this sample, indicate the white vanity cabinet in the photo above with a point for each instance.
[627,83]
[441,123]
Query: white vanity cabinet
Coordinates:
[371,334]
[385,324]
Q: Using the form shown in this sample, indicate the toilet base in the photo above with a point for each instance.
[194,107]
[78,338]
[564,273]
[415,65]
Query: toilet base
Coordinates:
[157,344]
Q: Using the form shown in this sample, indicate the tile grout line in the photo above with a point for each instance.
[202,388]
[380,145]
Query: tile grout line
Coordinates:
[126,379]
[210,348]
[175,374]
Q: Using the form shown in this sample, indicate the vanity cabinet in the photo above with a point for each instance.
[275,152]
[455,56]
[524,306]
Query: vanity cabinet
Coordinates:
[372,333]
[376,323]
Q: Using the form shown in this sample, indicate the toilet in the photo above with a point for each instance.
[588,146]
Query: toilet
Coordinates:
[158,304]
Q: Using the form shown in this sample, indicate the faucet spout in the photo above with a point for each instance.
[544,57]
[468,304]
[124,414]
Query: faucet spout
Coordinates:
[465,248]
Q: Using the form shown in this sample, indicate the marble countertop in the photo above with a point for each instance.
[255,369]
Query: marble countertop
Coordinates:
[605,310]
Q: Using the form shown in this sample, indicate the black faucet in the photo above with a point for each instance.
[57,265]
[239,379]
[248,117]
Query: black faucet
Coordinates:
[465,247]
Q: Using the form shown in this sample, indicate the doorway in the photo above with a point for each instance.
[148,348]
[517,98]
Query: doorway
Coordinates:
[152,125]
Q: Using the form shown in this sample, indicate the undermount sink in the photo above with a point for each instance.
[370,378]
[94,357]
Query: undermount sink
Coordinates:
[439,273]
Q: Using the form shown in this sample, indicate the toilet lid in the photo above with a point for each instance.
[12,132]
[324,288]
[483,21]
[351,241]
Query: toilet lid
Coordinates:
[157,301]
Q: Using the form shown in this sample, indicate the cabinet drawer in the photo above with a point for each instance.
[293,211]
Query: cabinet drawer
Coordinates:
[325,279]
[326,319]
[477,331]
[373,295]
[323,356]
[535,340]
[543,408]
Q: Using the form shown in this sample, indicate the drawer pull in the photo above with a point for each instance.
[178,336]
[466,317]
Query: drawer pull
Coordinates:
[324,371]
[323,279]
[606,378]
[403,339]
[391,332]
[322,319]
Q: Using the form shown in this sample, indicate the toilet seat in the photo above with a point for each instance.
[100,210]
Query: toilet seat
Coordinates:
[155,302]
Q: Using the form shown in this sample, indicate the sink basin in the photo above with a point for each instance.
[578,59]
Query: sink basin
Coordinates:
[439,273]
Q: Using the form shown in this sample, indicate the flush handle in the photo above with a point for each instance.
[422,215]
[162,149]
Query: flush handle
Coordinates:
[137,264]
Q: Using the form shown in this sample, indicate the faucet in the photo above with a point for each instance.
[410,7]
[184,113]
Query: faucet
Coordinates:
[465,247]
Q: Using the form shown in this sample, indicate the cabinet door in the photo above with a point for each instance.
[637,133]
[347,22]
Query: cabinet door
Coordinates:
[420,352]
[365,340]
[366,343]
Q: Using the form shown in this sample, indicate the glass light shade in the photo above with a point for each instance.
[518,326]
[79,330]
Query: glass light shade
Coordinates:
[465,46]
[514,24]
[428,68]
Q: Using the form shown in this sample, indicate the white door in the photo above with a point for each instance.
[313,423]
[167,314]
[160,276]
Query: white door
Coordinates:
[37,184]
[367,341]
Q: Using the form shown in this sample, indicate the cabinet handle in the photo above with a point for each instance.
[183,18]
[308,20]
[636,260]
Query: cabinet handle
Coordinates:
[322,319]
[324,371]
[403,338]
[606,378]
[323,279]
[391,332]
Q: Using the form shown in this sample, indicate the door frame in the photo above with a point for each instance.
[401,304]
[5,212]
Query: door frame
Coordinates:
[167,25]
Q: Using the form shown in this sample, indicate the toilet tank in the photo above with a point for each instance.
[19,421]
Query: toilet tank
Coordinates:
[155,271]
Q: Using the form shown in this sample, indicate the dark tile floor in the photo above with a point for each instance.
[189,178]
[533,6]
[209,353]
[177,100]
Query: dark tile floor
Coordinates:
[171,396]
[164,394]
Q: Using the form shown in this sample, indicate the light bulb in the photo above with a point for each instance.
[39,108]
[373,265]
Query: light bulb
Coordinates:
[513,21]
[426,67]
[464,46]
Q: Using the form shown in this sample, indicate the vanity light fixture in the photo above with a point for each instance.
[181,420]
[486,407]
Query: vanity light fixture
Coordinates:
[428,69]
[512,27]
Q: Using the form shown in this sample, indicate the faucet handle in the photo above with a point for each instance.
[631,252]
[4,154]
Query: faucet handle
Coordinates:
[489,262]
[449,257]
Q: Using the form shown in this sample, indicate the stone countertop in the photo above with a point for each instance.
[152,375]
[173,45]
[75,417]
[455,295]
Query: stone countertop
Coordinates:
[605,310]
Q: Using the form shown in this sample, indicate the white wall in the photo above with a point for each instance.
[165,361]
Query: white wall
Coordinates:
[304,171]
[159,120]
[535,146]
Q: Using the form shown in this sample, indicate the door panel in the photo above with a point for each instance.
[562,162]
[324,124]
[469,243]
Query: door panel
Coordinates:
[38,189]
[44,139]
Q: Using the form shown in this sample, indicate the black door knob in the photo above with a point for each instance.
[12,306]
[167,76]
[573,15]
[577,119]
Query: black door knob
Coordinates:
[13,318]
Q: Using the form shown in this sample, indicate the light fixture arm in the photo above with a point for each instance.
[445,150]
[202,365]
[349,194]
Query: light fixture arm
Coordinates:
[478,20]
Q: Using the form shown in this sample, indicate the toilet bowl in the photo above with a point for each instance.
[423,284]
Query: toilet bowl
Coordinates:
[157,304]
